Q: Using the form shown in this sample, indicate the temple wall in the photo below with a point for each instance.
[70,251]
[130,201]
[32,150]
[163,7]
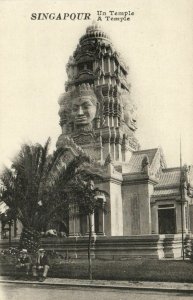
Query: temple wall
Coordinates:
[136,208]
[151,246]
[114,217]
[116,210]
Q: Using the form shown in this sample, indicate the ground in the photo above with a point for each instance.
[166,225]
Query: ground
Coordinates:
[132,269]
[29,292]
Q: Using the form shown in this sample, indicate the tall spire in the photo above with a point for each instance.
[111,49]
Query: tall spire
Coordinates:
[102,118]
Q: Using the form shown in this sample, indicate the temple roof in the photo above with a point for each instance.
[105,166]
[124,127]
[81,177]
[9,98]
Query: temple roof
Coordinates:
[169,177]
[166,192]
[169,183]
[134,165]
[94,31]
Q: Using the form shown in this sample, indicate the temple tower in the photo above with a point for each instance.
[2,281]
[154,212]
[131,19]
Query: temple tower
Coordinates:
[96,110]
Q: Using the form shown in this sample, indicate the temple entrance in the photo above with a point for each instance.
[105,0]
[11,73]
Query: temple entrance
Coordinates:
[167,221]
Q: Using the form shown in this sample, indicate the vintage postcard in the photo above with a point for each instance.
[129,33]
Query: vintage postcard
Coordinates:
[111,80]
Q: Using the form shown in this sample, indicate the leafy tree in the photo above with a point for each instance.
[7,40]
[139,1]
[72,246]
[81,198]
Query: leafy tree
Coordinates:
[35,189]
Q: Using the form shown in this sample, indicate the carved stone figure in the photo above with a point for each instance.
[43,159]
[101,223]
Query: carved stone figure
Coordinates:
[145,164]
[83,110]
[78,109]
[129,112]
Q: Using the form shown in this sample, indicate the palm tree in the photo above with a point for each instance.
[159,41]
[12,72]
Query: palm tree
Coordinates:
[35,189]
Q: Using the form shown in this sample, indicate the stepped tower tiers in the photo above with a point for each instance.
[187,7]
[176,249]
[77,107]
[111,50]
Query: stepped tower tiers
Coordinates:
[96,110]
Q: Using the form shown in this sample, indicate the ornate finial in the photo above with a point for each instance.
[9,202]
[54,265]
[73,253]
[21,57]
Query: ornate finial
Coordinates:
[95,24]
[145,161]
[94,27]
[145,164]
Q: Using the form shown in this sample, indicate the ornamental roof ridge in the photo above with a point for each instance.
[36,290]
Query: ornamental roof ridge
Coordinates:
[144,150]
[171,169]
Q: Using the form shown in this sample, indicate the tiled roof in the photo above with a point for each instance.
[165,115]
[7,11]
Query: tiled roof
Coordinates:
[169,177]
[137,157]
[169,183]
[166,192]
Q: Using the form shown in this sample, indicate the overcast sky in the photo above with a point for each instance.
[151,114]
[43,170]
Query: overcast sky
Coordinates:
[156,44]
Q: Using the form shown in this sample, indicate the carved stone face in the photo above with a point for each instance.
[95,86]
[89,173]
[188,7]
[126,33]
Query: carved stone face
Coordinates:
[130,114]
[83,110]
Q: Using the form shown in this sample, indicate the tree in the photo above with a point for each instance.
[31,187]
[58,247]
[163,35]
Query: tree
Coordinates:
[87,198]
[35,189]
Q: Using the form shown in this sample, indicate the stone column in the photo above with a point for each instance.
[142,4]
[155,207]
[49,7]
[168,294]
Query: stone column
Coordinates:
[74,222]
[92,225]
[191,217]
[154,219]
[113,151]
[111,118]
[106,135]
[72,226]
[83,225]
[179,218]
[101,222]
[113,65]
[116,122]
[77,225]
[118,152]
[108,65]
[102,64]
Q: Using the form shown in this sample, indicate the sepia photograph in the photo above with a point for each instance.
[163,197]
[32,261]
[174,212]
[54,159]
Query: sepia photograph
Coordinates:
[96,149]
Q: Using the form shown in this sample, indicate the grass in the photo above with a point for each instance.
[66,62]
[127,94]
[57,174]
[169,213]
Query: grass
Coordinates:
[135,269]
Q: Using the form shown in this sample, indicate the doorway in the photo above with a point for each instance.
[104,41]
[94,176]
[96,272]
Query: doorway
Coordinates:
[167,221]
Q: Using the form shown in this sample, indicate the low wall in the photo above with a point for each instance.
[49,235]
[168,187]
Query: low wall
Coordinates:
[146,246]
[114,248]
[109,247]
[173,245]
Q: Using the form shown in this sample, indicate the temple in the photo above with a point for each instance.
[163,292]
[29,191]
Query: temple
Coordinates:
[99,117]
[150,205]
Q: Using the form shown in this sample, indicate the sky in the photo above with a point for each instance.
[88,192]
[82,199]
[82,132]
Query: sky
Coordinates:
[156,43]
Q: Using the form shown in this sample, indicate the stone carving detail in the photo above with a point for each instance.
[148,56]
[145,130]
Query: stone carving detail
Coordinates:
[84,104]
[129,112]
[78,109]
[108,160]
[97,100]
[187,178]
[145,165]
[83,138]
[70,70]
[130,142]
[68,143]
